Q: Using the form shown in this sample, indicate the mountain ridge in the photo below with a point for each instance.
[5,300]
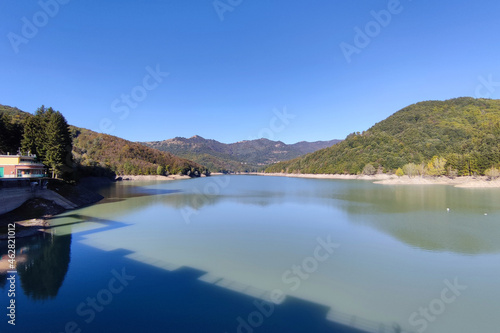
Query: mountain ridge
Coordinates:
[241,156]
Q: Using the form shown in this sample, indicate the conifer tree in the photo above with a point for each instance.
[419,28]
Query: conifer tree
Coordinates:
[47,135]
[29,143]
[57,144]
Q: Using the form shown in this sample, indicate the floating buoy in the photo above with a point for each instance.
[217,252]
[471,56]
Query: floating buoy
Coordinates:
[447,209]
[485,214]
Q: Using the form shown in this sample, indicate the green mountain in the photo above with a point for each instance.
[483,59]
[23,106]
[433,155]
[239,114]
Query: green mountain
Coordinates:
[97,154]
[250,155]
[457,136]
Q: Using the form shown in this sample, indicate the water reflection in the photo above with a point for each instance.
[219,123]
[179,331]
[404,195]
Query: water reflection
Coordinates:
[415,215]
[42,264]
[256,228]
[419,216]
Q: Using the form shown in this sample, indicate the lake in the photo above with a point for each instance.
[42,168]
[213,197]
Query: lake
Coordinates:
[265,254]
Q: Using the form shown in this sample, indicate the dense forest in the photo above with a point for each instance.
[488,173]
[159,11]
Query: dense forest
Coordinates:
[455,137]
[46,135]
[71,152]
[94,151]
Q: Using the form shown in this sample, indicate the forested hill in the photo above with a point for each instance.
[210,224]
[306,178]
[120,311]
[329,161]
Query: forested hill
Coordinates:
[95,153]
[457,136]
[126,157]
[248,155]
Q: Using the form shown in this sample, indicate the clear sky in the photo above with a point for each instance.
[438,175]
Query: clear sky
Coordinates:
[326,67]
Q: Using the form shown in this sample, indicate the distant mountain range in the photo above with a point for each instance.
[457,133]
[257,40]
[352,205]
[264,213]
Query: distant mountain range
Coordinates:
[459,136]
[98,154]
[250,155]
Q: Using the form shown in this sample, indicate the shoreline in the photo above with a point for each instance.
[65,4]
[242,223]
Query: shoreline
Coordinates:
[384,179]
[150,177]
[27,227]
[120,178]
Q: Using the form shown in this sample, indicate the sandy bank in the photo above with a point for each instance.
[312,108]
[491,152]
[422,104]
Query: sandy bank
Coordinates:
[466,182]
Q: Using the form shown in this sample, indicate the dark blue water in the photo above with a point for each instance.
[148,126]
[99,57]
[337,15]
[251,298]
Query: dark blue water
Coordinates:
[206,255]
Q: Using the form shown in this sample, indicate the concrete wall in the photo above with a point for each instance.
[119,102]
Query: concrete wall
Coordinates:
[11,198]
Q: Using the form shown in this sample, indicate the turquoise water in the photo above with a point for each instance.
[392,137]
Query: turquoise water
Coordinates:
[266,254]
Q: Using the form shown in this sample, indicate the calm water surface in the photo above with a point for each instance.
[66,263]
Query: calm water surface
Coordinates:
[206,255]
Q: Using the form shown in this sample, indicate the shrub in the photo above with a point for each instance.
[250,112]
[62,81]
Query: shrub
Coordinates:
[450,172]
[436,166]
[410,169]
[369,170]
[492,173]
[399,172]
[421,169]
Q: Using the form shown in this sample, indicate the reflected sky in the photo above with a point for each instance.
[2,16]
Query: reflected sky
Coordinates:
[397,243]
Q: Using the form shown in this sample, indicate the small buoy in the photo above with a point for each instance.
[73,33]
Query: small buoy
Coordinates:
[447,209]
[485,214]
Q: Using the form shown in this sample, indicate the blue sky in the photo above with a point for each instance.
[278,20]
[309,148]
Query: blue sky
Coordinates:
[232,68]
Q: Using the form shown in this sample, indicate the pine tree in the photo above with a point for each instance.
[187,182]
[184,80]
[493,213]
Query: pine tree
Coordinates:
[29,143]
[47,135]
[58,144]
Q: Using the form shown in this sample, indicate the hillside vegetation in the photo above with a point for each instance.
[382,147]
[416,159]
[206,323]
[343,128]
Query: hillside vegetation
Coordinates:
[93,150]
[456,137]
[92,154]
[243,156]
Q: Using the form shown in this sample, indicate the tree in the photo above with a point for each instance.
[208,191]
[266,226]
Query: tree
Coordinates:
[410,169]
[35,136]
[492,173]
[32,130]
[47,135]
[57,134]
[436,166]
[10,134]
[420,169]
[160,171]
[3,136]
[399,172]
[369,170]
